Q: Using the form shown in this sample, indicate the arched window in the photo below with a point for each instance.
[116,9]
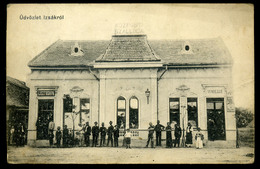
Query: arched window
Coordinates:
[133,113]
[121,112]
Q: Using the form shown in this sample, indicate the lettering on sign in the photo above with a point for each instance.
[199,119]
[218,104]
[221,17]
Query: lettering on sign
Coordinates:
[45,93]
[215,91]
[129,29]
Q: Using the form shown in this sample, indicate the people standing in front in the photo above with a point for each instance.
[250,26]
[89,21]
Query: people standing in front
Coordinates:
[110,134]
[12,135]
[189,131]
[199,137]
[168,135]
[150,135]
[65,136]
[128,138]
[158,129]
[102,130]
[177,134]
[51,127]
[58,137]
[116,135]
[87,133]
[95,132]
[51,136]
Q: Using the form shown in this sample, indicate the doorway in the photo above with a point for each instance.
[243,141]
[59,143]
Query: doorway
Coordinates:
[45,115]
[216,119]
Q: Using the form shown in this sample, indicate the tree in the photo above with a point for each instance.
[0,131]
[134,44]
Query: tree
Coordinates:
[243,117]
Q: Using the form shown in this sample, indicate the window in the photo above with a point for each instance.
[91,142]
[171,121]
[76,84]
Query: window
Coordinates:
[192,111]
[121,112]
[84,110]
[133,113]
[76,50]
[187,47]
[45,115]
[174,110]
[216,119]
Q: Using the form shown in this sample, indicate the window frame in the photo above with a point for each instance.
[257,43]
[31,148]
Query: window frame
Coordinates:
[138,110]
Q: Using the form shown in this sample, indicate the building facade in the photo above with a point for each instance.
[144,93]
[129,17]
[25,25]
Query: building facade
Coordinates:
[132,81]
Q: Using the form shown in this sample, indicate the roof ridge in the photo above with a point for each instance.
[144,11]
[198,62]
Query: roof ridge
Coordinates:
[102,55]
[196,39]
[153,52]
[45,50]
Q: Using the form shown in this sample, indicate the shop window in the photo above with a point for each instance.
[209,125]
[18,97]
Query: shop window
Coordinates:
[174,110]
[133,113]
[216,119]
[121,112]
[192,111]
[45,115]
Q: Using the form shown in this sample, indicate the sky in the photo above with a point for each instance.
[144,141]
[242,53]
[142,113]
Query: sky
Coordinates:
[234,23]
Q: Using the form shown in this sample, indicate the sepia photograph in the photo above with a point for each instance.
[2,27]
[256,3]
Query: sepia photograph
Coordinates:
[130,83]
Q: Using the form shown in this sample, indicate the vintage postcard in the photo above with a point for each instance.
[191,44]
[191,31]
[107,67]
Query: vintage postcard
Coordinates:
[130,84]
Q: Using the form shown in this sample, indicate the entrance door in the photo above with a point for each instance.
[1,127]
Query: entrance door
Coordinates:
[216,119]
[45,115]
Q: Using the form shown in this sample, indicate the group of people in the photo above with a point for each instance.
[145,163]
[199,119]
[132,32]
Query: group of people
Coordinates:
[113,134]
[69,139]
[17,135]
[158,128]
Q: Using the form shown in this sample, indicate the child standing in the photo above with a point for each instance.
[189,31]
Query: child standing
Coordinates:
[199,137]
[128,138]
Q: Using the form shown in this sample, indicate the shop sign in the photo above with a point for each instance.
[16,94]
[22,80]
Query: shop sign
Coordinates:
[45,93]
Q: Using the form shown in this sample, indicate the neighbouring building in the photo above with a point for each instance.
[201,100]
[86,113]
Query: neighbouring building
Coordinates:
[132,81]
[17,104]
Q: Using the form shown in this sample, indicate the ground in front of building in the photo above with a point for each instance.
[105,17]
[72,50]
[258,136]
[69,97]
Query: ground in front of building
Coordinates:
[121,155]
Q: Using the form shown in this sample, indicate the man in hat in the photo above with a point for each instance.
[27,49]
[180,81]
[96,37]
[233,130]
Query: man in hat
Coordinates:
[65,136]
[177,134]
[87,133]
[110,134]
[116,135]
[150,135]
[58,136]
[158,128]
[103,134]
[95,132]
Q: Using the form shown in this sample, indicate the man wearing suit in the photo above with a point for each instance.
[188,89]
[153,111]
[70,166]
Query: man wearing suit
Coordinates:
[110,134]
[87,133]
[103,134]
[158,129]
[95,132]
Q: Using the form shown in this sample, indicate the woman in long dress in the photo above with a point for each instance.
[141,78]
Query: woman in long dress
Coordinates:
[189,131]
[168,136]
[199,139]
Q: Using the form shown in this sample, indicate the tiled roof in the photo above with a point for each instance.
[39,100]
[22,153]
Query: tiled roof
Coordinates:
[58,54]
[16,82]
[201,51]
[128,48]
[15,90]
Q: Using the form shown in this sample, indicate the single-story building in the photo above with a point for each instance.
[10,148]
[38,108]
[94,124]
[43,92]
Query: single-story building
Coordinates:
[132,81]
